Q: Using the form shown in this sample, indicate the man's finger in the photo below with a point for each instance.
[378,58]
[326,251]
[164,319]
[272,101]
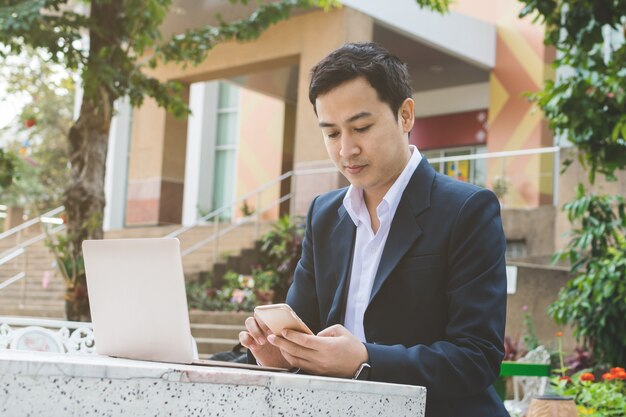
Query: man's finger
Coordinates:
[333,331]
[262,325]
[302,339]
[297,362]
[255,331]
[247,341]
[290,347]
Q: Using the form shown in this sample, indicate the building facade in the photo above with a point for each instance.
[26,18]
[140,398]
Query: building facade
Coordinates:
[252,121]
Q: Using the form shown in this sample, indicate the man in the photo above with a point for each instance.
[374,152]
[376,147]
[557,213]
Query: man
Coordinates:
[402,275]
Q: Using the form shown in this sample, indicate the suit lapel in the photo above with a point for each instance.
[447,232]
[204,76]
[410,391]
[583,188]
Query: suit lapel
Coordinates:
[404,228]
[342,241]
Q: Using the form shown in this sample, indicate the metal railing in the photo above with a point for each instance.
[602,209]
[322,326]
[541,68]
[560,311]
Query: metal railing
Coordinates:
[214,216]
[20,250]
[497,163]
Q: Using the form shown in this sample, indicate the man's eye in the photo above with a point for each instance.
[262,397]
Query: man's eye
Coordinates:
[333,135]
[362,129]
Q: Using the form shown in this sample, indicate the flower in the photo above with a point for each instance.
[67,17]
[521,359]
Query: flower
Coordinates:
[559,334]
[525,308]
[608,376]
[246,281]
[587,376]
[618,373]
[238,296]
[566,378]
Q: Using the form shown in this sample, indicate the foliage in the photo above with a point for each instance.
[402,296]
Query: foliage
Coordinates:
[237,294]
[265,280]
[530,337]
[587,102]
[281,248]
[587,105]
[580,359]
[596,399]
[73,272]
[500,186]
[512,348]
[246,209]
[7,169]
[201,296]
[595,300]
[132,41]
[39,132]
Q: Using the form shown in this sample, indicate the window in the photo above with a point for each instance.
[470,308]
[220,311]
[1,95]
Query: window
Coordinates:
[515,249]
[473,171]
[227,133]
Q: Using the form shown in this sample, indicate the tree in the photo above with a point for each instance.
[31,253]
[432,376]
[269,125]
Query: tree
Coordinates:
[587,106]
[39,133]
[123,39]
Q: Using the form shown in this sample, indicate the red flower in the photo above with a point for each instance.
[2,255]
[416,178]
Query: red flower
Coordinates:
[618,373]
[565,378]
[587,376]
[559,334]
[608,376]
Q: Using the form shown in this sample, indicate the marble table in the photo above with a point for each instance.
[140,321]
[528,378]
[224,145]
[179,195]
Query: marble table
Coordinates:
[44,384]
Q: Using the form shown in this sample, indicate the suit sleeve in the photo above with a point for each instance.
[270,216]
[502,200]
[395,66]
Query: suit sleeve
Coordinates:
[302,295]
[467,360]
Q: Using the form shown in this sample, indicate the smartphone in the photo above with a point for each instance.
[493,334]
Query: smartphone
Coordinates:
[279,317]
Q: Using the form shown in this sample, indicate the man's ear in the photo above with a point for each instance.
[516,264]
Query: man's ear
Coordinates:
[406,114]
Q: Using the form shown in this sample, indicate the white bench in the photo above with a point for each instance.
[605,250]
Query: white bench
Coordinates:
[46,335]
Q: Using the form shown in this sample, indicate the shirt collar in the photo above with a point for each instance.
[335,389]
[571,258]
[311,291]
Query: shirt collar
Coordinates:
[353,200]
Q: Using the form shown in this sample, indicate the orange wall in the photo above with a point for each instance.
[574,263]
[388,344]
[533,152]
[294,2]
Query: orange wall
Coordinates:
[514,122]
[259,153]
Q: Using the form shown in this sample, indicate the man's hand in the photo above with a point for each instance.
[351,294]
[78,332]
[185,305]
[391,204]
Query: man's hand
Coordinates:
[333,352]
[255,339]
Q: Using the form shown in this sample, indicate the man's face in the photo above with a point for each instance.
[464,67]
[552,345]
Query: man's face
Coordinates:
[365,140]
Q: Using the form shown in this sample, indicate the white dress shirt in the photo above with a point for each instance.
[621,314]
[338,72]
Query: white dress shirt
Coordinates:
[368,246]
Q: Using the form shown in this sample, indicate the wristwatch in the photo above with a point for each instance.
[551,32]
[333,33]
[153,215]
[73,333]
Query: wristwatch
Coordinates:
[363,373]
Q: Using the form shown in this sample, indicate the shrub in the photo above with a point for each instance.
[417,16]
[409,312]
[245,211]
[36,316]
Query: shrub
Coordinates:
[595,397]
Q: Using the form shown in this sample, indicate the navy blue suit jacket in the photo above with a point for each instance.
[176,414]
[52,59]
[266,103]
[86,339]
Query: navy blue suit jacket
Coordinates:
[437,308]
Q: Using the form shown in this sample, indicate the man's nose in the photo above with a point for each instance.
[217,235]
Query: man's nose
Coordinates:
[349,147]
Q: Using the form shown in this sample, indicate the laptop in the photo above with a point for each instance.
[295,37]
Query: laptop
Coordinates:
[139,304]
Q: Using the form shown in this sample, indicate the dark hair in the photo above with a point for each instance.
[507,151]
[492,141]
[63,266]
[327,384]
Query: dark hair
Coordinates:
[384,71]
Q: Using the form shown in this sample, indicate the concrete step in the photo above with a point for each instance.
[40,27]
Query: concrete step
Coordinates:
[34,303]
[211,330]
[212,345]
[218,317]
[31,298]
[57,312]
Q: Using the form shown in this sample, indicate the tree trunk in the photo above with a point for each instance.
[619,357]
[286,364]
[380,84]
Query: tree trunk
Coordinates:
[89,140]
[84,196]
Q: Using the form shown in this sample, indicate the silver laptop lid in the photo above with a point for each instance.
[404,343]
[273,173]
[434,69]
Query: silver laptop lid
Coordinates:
[138,299]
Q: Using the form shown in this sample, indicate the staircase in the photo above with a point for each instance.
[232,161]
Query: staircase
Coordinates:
[216,331]
[40,292]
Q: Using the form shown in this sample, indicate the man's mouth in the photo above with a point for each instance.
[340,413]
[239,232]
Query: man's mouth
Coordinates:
[354,169]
